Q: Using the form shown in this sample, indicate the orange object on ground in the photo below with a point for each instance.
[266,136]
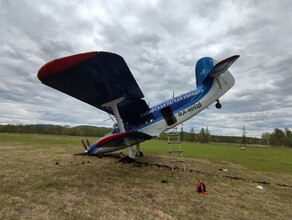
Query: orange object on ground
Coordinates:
[201,188]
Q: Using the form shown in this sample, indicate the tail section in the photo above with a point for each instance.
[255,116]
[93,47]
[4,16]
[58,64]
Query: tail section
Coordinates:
[203,68]
[207,68]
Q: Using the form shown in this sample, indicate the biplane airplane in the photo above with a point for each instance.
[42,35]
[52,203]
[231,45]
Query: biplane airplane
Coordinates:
[103,80]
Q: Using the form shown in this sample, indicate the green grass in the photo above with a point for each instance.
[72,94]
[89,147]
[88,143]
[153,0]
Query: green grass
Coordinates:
[38,139]
[268,159]
[258,158]
[41,179]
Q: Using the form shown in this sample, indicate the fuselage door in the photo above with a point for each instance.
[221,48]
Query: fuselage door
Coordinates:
[168,116]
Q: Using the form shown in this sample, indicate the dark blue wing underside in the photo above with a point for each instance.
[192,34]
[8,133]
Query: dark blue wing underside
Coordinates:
[100,79]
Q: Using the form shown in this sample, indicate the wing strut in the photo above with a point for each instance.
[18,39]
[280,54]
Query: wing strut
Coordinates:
[113,105]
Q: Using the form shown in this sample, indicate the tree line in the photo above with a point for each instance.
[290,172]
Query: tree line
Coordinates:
[276,138]
[204,136]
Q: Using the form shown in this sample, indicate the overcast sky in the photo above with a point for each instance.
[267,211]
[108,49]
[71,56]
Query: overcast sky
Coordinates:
[161,42]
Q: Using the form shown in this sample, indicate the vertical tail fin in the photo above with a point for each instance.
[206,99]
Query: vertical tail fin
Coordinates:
[203,68]
[207,67]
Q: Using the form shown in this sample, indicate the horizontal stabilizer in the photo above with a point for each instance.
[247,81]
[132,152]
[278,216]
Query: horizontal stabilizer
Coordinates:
[222,66]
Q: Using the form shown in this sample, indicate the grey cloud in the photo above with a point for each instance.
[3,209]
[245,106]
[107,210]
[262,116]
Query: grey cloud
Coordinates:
[151,40]
[161,43]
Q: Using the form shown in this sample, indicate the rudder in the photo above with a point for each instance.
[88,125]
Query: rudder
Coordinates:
[203,68]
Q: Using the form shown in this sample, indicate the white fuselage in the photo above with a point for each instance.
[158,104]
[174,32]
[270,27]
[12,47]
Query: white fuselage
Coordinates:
[226,82]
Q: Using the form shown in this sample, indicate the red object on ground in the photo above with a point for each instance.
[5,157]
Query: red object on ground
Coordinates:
[201,188]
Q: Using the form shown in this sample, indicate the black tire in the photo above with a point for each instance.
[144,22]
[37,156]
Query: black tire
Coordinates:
[218,105]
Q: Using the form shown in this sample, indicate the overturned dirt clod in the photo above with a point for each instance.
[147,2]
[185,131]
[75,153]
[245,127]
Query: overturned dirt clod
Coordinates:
[127,159]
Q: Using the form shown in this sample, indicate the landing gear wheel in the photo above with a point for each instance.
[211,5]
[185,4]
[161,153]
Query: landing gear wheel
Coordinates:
[140,154]
[218,105]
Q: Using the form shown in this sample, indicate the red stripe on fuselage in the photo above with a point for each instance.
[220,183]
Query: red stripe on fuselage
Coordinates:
[57,65]
[110,138]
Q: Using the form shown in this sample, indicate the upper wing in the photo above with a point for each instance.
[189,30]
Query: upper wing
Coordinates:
[97,78]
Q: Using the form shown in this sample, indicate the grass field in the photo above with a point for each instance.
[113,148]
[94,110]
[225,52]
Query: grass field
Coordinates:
[259,158]
[41,179]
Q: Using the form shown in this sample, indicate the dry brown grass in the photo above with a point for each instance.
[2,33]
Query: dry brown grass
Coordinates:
[50,183]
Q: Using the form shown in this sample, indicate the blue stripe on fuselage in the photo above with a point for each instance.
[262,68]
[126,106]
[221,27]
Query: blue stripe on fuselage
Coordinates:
[177,104]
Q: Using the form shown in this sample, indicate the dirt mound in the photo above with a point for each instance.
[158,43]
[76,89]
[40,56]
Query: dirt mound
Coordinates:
[127,159]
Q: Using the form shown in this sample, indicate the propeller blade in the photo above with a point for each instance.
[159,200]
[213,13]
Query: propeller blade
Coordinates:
[87,142]
[83,143]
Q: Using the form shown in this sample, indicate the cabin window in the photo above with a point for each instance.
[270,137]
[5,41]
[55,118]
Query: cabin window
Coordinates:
[168,116]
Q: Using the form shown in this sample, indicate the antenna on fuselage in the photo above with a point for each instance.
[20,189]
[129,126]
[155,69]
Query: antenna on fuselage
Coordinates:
[173,94]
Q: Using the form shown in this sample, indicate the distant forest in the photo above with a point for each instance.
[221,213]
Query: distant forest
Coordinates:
[83,130]
[277,138]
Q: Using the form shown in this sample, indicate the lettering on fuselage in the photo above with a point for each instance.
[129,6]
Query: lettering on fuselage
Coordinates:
[172,101]
[190,109]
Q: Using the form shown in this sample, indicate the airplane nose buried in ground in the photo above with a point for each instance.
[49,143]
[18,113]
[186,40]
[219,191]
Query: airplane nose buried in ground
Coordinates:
[92,149]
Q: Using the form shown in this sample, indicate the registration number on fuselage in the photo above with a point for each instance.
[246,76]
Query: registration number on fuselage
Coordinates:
[190,109]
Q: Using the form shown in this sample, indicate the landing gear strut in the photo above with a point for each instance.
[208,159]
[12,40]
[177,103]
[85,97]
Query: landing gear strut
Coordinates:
[218,104]
[135,153]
